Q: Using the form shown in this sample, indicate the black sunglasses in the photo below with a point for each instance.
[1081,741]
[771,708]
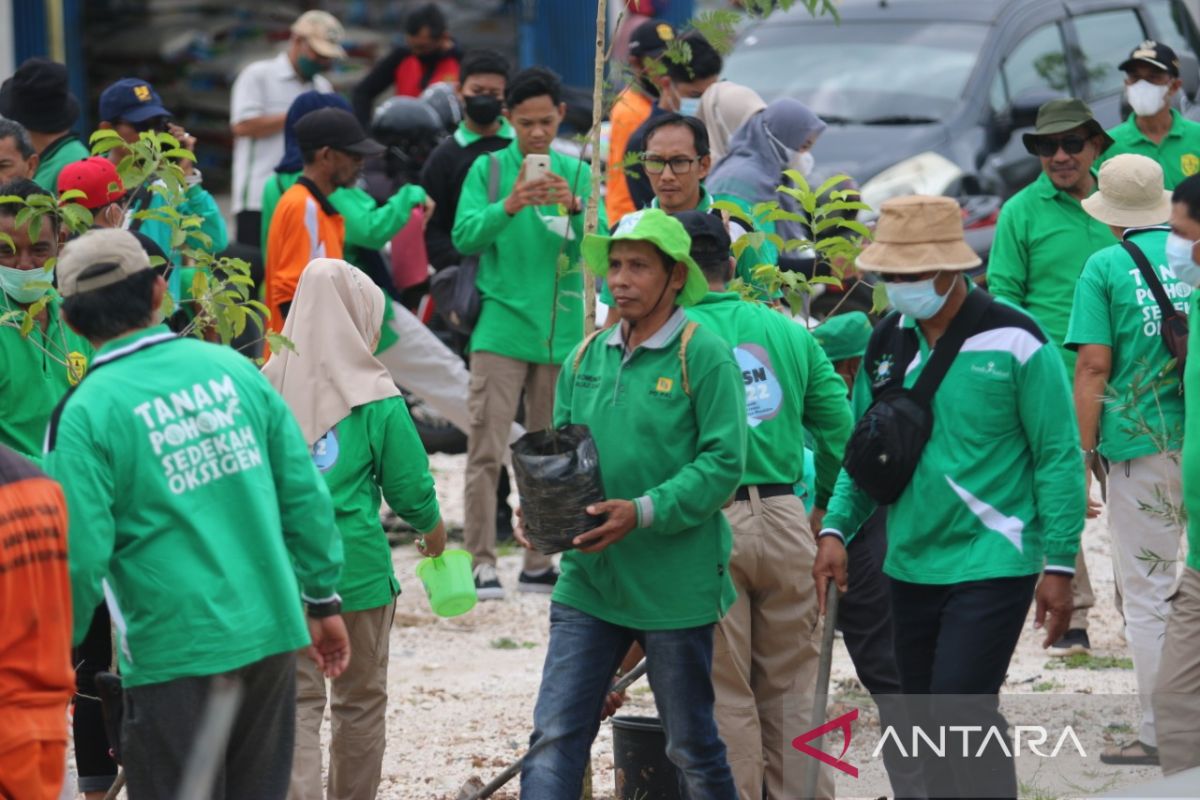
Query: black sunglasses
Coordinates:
[1047,148]
[912,277]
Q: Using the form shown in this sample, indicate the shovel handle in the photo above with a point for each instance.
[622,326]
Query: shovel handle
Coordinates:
[511,771]
[821,699]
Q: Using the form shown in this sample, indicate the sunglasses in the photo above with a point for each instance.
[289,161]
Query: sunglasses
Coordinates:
[914,277]
[155,124]
[1047,147]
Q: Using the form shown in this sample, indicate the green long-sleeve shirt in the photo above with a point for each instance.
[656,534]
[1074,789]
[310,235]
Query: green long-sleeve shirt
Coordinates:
[372,452]
[1043,239]
[678,456]
[999,489]
[521,258]
[192,493]
[789,384]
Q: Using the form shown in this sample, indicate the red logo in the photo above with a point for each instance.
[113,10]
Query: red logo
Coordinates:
[842,723]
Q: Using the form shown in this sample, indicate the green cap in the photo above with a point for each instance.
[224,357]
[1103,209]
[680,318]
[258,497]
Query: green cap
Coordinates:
[844,336]
[1059,116]
[659,228]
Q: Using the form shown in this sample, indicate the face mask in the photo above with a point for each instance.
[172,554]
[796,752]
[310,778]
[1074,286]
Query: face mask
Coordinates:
[1179,259]
[16,283]
[308,68]
[804,163]
[482,109]
[917,299]
[1145,98]
[689,106]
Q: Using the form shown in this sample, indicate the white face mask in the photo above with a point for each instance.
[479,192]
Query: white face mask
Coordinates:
[1145,98]
[19,284]
[804,163]
[1179,259]
[689,106]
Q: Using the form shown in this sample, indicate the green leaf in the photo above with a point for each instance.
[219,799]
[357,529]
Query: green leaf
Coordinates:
[6,240]
[278,342]
[104,134]
[71,194]
[179,152]
[734,210]
[879,298]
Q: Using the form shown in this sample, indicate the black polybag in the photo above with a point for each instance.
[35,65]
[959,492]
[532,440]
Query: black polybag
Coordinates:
[558,477]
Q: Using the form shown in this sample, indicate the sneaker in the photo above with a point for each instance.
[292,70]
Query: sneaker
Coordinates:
[1136,753]
[541,582]
[1072,642]
[487,583]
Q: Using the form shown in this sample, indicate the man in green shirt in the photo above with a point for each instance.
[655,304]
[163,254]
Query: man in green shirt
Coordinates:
[531,316]
[194,503]
[37,368]
[770,639]
[38,96]
[1130,411]
[1177,692]
[997,496]
[1155,129]
[664,402]
[1043,238]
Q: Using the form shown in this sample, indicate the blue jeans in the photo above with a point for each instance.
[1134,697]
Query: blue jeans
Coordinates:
[584,653]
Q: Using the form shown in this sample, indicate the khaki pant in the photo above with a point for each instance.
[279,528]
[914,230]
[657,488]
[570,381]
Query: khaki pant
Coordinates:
[1138,491]
[358,714]
[495,391]
[1177,692]
[765,650]
[1081,593]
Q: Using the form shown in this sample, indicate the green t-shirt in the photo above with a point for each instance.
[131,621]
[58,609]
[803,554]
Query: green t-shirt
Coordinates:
[1178,153]
[1043,238]
[789,384]
[375,448]
[1114,307]
[191,492]
[1191,437]
[530,270]
[61,152]
[999,487]
[678,456]
[35,373]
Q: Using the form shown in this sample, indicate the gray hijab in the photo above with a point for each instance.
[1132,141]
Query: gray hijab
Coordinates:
[761,149]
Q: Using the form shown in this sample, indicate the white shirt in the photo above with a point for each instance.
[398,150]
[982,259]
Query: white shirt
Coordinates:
[263,88]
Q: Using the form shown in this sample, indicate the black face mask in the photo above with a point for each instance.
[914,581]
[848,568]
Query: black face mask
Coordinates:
[482,108]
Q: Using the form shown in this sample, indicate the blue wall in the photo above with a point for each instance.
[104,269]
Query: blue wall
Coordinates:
[31,36]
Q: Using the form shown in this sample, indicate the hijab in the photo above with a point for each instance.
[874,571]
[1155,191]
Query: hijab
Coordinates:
[305,102]
[761,150]
[724,108]
[334,322]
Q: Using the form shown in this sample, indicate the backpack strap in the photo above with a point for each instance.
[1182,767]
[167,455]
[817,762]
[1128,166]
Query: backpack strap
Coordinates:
[1148,275]
[961,328]
[688,331]
[493,178]
[583,346]
[889,338]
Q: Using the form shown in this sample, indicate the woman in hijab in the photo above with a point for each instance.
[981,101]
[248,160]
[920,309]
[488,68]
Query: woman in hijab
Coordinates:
[364,443]
[724,108]
[768,143]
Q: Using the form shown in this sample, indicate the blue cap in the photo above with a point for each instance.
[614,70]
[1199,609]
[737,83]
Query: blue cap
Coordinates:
[131,100]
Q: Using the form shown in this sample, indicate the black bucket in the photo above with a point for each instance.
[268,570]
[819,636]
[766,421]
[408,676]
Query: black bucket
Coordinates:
[643,771]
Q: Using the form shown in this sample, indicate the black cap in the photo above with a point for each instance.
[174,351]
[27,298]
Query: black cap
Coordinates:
[37,97]
[702,225]
[336,128]
[650,38]
[1156,55]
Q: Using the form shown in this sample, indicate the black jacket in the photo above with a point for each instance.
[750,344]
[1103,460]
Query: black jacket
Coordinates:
[442,176]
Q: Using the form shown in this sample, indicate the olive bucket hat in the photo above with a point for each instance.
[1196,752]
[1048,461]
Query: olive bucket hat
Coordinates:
[660,229]
[1059,116]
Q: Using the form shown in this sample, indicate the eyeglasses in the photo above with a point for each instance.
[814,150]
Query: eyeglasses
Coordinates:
[680,165]
[1047,148]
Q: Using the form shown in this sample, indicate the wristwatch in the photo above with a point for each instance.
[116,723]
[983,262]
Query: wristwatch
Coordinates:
[327,608]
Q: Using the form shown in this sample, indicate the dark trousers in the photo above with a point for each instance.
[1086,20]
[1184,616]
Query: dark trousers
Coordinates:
[953,646]
[94,764]
[865,619]
[161,721]
[248,225]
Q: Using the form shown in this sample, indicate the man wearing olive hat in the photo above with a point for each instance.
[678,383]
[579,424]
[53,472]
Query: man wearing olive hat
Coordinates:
[1043,238]
[995,499]
[664,401]
[1130,410]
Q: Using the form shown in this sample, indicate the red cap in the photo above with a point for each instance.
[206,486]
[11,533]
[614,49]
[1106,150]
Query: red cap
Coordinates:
[96,177]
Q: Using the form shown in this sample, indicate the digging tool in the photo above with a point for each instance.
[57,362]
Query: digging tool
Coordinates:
[471,789]
[821,701]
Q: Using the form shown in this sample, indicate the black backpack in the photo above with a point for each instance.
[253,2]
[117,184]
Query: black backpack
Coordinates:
[455,293]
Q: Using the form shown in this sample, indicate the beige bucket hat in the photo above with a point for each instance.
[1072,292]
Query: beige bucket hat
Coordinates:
[1131,193]
[918,234]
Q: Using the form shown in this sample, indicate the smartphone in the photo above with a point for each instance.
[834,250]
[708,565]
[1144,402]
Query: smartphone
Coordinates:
[537,166]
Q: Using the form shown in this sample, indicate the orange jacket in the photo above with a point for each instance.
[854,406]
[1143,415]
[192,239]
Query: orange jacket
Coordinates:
[631,109]
[304,226]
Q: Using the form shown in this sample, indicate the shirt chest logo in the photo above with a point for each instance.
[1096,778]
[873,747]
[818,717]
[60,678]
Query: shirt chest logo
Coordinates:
[76,367]
[583,381]
[1189,163]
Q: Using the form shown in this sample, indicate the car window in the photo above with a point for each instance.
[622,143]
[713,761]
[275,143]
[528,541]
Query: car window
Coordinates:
[1037,65]
[1105,40]
[1172,27]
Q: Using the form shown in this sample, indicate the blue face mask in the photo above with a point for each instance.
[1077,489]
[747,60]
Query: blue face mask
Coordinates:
[917,299]
[689,106]
[1179,259]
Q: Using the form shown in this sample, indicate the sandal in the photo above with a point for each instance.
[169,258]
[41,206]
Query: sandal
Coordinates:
[1135,753]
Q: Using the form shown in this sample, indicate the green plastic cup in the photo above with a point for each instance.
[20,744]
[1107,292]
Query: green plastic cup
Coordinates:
[448,582]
